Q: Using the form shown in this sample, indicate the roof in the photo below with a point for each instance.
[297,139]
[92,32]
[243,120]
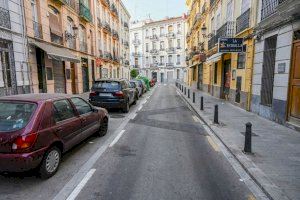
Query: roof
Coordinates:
[111,79]
[35,97]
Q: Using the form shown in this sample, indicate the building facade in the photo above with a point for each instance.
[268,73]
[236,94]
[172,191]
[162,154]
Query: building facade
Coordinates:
[210,70]
[276,76]
[72,43]
[158,48]
[14,75]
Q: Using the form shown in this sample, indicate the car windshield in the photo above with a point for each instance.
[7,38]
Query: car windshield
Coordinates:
[109,85]
[15,115]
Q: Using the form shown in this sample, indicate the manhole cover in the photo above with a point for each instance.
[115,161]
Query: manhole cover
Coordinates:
[117,116]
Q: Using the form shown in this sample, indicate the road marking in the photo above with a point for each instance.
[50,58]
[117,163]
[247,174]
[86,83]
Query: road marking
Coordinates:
[133,116]
[140,108]
[81,185]
[117,138]
[212,143]
[196,119]
[251,197]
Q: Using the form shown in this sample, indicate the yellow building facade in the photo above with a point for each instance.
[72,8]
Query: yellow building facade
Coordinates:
[223,75]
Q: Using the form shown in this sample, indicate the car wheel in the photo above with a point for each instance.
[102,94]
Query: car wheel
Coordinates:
[126,108]
[103,127]
[50,162]
[135,99]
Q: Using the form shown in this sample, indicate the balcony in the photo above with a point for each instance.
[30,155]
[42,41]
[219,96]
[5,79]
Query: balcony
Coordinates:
[85,12]
[136,54]
[126,62]
[243,21]
[71,40]
[154,51]
[99,23]
[227,30]
[171,50]
[170,64]
[115,59]
[212,2]
[37,28]
[107,27]
[83,46]
[154,37]
[269,7]
[162,49]
[5,18]
[126,26]
[161,64]
[100,54]
[126,44]
[107,55]
[115,35]
[153,65]
[178,63]
[171,35]
[114,10]
[71,3]
[136,42]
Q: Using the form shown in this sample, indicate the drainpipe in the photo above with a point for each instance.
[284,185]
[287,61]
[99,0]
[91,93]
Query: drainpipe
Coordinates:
[25,47]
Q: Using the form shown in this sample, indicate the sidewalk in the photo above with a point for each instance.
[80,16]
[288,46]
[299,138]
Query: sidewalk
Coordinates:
[275,164]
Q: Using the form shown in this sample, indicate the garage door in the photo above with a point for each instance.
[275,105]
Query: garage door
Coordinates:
[59,77]
[170,77]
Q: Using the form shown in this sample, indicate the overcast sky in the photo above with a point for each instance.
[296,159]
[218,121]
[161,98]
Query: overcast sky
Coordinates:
[157,9]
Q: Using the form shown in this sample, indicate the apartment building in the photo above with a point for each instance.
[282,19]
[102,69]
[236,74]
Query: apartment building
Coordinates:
[14,75]
[276,73]
[158,48]
[215,70]
[72,43]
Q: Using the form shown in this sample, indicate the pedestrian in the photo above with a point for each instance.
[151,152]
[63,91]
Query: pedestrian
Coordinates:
[227,85]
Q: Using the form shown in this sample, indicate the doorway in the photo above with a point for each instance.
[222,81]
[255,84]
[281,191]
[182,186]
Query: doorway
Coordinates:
[294,91]
[59,76]
[40,60]
[170,77]
[200,77]
[162,77]
[73,78]
[93,71]
[238,89]
[85,75]
[225,77]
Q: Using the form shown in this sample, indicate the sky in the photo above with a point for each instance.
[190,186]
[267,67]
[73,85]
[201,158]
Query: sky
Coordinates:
[157,9]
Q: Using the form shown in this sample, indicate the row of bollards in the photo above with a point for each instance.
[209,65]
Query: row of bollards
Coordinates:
[248,133]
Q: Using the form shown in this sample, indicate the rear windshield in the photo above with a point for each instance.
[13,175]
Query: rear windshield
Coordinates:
[15,115]
[109,85]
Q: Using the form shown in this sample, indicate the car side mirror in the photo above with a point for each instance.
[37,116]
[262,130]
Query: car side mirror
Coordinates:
[95,110]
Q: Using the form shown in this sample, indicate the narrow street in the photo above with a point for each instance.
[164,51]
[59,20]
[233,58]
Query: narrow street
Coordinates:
[162,153]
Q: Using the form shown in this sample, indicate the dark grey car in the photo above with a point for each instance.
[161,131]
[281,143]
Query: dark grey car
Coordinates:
[112,93]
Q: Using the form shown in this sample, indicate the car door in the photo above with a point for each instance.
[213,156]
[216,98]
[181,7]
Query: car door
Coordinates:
[67,126]
[131,91]
[90,120]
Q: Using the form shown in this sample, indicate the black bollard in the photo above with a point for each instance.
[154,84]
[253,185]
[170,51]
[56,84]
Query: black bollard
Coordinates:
[248,138]
[216,115]
[188,93]
[184,90]
[201,104]
[194,97]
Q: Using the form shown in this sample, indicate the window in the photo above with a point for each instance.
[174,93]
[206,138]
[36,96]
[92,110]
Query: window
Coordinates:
[147,33]
[178,43]
[170,42]
[49,73]
[178,58]
[241,60]
[179,28]
[33,9]
[55,25]
[15,115]
[170,59]
[154,59]
[6,70]
[170,29]
[147,60]
[153,31]
[229,14]
[245,5]
[194,73]
[162,45]
[216,74]
[81,106]
[136,35]
[162,59]
[154,45]
[147,47]
[62,110]
[162,31]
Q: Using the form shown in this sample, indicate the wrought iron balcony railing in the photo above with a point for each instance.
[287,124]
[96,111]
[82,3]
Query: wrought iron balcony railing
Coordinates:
[161,63]
[243,21]
[170,64]
[114,9]
[38,31]
[71,3]
[99,23]
[171,35]
[212,42]
[136,42]
[107,27]
[269,7]
[4,18]
[115,34]
[154,51]
[212,2]
[171,50]
[107,55]
[136,54]
[85,12]
[178,63]
[154,37]
[83,46]
[152,65]
[227,30]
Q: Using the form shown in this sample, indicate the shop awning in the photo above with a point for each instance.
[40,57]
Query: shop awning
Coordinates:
[214,58]
[55,52]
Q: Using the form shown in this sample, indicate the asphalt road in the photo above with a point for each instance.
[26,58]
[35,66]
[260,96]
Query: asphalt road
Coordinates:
[163,152]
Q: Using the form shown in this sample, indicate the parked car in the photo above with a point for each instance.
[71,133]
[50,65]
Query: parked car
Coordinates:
[143,85]
[113,93]
[35,129]
[152,82]
[139,88]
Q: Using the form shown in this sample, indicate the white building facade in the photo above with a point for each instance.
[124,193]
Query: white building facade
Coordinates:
[14,75]
[276,73]
[158,48]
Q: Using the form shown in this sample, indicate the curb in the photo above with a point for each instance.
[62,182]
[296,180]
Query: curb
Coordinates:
[272,191]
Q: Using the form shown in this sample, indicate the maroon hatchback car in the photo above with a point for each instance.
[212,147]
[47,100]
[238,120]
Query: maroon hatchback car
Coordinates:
[35,129]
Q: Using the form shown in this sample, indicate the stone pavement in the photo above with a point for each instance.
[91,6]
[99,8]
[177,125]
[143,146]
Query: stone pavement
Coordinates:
[275,164]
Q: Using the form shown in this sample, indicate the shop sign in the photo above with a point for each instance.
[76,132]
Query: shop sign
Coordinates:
[230,45]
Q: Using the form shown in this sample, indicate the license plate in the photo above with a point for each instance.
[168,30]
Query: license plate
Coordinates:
[105,94]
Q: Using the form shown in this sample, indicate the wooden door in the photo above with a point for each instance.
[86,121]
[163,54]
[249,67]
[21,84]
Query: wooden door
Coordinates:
[294,104]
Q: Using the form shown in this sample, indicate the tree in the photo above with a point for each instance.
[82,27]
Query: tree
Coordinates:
[134,73]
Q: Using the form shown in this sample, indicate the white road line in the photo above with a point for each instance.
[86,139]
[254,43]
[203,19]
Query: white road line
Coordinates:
[117,138]
[81,185]
[196,119]
[133,116]
[212,143]
[140,108]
